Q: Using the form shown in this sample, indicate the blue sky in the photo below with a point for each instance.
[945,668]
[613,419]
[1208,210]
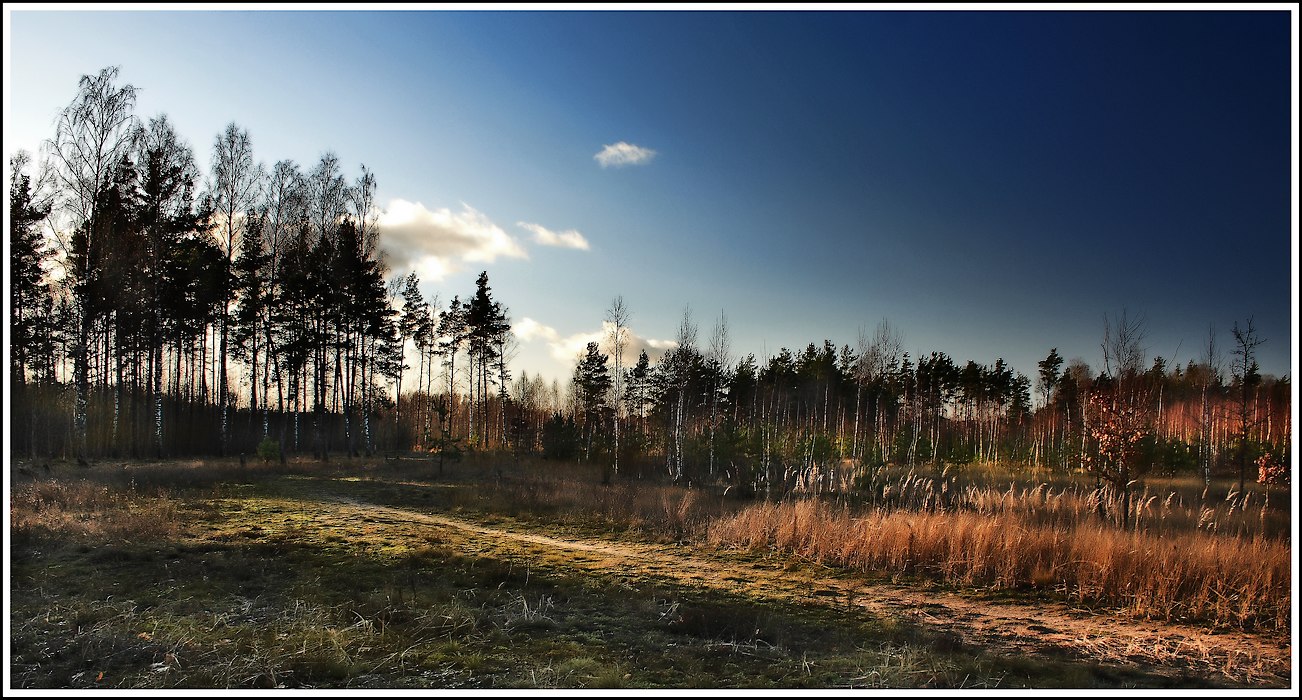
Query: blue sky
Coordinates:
[992,183]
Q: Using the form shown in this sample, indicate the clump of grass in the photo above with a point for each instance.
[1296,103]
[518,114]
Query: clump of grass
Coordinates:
[902,666]
[522,613]
[577,672]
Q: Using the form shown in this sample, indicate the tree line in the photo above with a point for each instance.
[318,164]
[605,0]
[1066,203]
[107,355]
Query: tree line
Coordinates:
[161,312]
[822,418]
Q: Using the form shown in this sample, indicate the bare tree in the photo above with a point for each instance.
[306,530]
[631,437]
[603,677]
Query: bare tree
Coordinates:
[681,357]
[94,132]
[1123,349]
[1248,377]
[234,188]
[327,195]
[617,317]
[720,358]
[1120,411]
[361,197]
[878,358]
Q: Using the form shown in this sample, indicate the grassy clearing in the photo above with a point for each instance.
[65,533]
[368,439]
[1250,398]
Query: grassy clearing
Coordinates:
[177,576]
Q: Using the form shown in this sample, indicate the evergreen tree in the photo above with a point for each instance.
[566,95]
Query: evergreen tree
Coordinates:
[414,324]
[637,392]
[592,382]
[486,323]
[252,292]
[452,333]
[30,300]
[168,178]
[28,253]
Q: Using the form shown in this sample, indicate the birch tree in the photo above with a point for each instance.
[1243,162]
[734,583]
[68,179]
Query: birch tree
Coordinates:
[617,317]
[93,134]
[234,188]
[719,360]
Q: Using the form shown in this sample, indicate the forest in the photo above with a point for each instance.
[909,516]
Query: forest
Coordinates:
[160,312]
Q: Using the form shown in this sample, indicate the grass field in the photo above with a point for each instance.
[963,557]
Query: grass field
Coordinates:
[387,574]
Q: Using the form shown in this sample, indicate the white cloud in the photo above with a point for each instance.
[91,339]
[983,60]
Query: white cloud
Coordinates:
[528,329]
[435,241]
[564,239]
[568,349]
[623,153]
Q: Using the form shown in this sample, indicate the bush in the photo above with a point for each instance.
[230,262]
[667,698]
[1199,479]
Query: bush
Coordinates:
[1272,470]
[269,450]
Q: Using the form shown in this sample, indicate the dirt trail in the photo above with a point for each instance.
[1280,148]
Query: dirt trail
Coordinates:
[1044,628]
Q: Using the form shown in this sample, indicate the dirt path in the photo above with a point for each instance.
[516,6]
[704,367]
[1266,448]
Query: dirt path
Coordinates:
[1045,628]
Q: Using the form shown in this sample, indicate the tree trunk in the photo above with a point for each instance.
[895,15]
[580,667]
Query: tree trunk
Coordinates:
[221,385]
[158,401]
[81,368]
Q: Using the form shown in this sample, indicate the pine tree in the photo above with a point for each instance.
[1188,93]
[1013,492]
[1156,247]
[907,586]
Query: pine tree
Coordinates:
[27,255]
[592,382]
[452,333]
[486,323]
[168,178]
[414,324]
[252,291]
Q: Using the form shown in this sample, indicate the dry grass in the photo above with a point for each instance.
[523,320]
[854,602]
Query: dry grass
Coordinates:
[1238,582]
[86,510]
[1160,507]
[1191,555]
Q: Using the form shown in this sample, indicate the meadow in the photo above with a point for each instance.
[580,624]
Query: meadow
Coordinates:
[491,573]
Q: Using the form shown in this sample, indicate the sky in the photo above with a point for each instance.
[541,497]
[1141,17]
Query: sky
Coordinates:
[994,184]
